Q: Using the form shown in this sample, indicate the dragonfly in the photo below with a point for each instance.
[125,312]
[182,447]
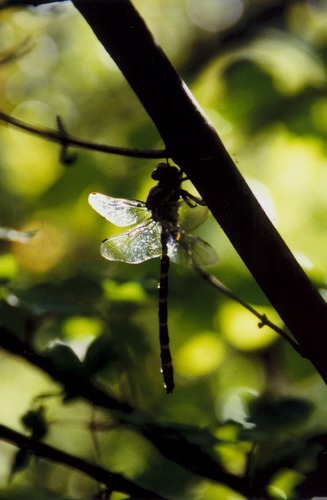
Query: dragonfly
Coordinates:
[156,233]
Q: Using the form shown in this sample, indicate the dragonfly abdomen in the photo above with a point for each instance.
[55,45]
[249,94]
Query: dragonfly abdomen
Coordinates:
[166,359]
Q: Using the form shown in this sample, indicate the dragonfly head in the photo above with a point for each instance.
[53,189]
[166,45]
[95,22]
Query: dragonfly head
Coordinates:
[166,173]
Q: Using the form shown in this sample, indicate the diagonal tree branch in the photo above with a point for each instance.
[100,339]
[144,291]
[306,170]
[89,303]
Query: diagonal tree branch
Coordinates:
[114,481]
[195,146]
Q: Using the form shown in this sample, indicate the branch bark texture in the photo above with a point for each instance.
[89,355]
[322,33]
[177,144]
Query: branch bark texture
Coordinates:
[195,146]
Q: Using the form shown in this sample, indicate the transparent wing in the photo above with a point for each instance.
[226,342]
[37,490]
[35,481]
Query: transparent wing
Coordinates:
[135,245]
[191,217]
[190,250]
[119,211]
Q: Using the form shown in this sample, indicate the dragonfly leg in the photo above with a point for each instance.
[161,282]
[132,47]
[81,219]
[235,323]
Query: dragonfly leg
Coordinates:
[166,360]
[191,200]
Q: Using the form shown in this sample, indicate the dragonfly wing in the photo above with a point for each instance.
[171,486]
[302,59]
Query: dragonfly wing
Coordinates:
[190,250]
[119,211]
[135,245]
[191,217]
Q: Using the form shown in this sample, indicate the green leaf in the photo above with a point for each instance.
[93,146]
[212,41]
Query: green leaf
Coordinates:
[276,415]
[100,354]
[8,267]
[65,360]
[65,298]
[35,421]
[11,318]
[21,461]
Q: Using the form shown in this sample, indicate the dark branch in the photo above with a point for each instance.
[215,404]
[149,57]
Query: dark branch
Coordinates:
[170,442]
[68,140]
[115,482]
[174,446]
[195,146]
[75,385]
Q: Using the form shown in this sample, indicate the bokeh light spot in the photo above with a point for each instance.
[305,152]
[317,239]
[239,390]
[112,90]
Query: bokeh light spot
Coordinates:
[46,249]
[214,15]
[200,356]
[241,330]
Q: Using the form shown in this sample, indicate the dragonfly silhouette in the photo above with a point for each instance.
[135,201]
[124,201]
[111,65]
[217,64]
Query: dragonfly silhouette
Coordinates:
[157,234]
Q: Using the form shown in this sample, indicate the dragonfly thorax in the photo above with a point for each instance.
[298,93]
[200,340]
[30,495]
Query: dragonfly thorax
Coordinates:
[164,205]
[163,199]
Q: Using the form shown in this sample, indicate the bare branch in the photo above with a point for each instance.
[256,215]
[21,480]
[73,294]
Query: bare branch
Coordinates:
[66,140]
[264,321]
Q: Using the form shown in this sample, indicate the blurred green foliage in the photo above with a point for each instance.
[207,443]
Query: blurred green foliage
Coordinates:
[265,92]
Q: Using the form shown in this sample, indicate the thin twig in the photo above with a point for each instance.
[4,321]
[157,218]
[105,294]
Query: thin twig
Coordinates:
[262,317]
[66,158]
[14,53]
[68,140]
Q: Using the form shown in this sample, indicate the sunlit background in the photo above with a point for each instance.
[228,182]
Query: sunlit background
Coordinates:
[262,82]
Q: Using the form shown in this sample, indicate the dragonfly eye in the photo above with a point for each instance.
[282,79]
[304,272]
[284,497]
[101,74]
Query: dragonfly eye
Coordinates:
[166,172]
